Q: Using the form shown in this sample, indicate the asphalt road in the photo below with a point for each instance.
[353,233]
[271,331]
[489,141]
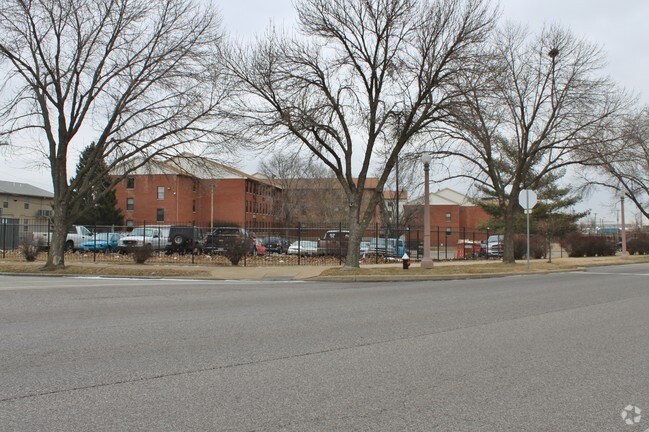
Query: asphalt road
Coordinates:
[561,352]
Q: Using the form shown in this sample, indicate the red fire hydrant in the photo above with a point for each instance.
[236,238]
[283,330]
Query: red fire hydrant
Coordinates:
[406,261]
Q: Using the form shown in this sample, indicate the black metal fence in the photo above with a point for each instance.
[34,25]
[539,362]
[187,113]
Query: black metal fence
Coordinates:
[301,245]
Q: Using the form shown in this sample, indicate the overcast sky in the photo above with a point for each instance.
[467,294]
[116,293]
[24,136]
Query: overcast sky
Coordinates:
[619,28]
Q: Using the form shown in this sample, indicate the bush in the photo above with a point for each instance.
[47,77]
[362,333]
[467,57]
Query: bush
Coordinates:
[538,247]
[238,247]
[30,250]
[578,245]
[141,253]
[638,245]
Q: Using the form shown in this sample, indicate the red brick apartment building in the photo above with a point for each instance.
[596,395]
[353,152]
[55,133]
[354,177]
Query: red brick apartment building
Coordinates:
[452,214]
[189,189]
[319,201]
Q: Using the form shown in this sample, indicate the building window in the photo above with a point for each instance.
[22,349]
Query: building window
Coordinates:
[161,192]
[130,182]
[448,217]
[160,215]
[5,202]
[194,206]
[26,204]
[129,224]
[193,186]
[448,231]
[130,204]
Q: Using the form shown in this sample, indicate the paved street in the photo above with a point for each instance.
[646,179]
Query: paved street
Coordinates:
[559,352]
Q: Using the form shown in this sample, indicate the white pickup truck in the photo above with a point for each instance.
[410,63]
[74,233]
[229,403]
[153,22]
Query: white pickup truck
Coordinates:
[77,234]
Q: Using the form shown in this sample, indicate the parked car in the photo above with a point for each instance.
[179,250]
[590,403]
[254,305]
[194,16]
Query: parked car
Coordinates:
[102,242]
[275,244]
[260,249]
[184,239]
[77,234]
[154,236]
[364,247]
[390,247]
[223,239]
[495,246]
[334,242]
[303,247]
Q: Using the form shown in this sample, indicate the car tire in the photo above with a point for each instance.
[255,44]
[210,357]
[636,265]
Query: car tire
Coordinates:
[69,246]
[178,240]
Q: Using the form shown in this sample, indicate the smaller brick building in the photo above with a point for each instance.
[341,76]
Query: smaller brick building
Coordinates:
[453,216]
[189,189]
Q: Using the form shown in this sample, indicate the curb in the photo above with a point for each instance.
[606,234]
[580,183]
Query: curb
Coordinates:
[419,278]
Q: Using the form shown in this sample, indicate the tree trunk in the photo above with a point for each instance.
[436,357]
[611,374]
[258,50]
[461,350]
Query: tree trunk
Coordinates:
[356,230]
[508,240]
[56,254]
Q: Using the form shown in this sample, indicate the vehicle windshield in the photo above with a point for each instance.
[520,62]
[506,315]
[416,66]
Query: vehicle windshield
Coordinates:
[85,231]
[101,237]
[143,232]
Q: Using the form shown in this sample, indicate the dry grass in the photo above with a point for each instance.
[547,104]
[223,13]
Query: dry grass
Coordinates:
[484,267]
[143,270]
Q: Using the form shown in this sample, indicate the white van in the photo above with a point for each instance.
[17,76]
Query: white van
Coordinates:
[495,246]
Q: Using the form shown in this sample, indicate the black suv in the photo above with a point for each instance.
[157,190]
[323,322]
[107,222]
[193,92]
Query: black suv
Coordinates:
[226,239]
[184,239]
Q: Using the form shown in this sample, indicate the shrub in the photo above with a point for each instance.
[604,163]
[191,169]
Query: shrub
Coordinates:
[578,245]
[30,250]
[238,247]
[638,245]
[538,247]
[141,253]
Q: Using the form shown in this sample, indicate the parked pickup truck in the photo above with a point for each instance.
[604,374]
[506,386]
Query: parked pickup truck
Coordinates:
[77,234]
[153,236]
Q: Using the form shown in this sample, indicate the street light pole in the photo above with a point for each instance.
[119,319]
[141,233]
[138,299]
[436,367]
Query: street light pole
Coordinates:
[426,261]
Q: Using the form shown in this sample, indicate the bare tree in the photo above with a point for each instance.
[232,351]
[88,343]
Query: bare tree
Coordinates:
[334,91]
[625,162]
[536,102]
[295,176]
[134,76]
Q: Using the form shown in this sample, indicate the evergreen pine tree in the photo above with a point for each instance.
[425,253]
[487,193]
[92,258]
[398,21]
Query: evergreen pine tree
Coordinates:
[98,204]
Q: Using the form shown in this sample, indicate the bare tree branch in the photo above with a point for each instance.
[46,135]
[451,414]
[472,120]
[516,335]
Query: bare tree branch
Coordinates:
[136,77]
[334,91]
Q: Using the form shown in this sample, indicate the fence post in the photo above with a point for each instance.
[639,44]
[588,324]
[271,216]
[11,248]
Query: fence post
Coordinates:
[445,245]
[340,244]
[94,243]
[49,228]
[376,244]
[193,244]
[4,238]
[437,242]
[299,243]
